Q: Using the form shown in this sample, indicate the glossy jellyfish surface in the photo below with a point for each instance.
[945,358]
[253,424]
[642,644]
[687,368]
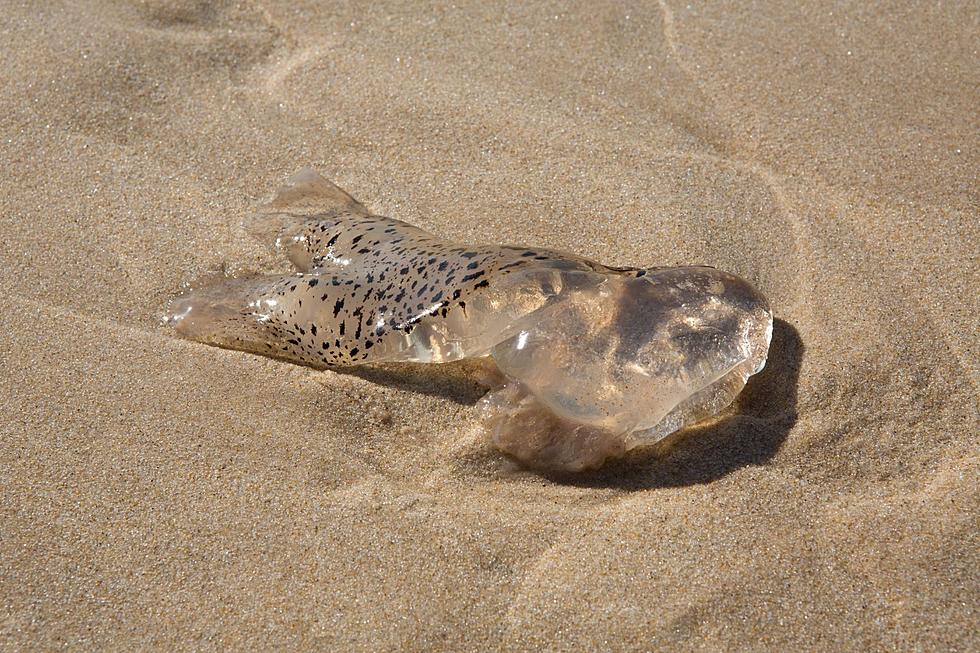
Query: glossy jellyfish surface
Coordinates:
[594,361]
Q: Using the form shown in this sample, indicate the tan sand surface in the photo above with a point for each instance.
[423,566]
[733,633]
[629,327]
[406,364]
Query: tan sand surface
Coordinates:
[157,493]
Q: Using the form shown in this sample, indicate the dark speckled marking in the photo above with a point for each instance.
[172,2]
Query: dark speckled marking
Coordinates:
[367,280]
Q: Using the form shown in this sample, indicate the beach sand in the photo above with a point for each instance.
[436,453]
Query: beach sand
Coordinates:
[158,493]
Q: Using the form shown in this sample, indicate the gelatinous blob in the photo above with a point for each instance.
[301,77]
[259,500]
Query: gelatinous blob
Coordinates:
[594,360]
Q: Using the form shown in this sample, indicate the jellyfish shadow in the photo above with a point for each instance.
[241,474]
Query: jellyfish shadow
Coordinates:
[461,381]
[749,433]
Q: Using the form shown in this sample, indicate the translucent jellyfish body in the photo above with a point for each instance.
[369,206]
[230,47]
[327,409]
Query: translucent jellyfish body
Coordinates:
[593,360]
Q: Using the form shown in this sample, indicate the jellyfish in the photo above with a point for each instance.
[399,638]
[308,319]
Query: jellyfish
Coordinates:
[591,361]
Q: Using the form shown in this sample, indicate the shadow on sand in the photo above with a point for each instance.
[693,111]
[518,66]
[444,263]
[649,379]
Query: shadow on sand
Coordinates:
[459,381]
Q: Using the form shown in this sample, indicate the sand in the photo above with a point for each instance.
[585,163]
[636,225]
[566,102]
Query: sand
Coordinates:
[156,493]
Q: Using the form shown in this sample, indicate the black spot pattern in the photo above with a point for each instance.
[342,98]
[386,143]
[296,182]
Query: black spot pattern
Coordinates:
[391,276]
[366,281]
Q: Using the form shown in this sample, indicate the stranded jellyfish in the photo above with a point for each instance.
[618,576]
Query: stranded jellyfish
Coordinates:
[593,360]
